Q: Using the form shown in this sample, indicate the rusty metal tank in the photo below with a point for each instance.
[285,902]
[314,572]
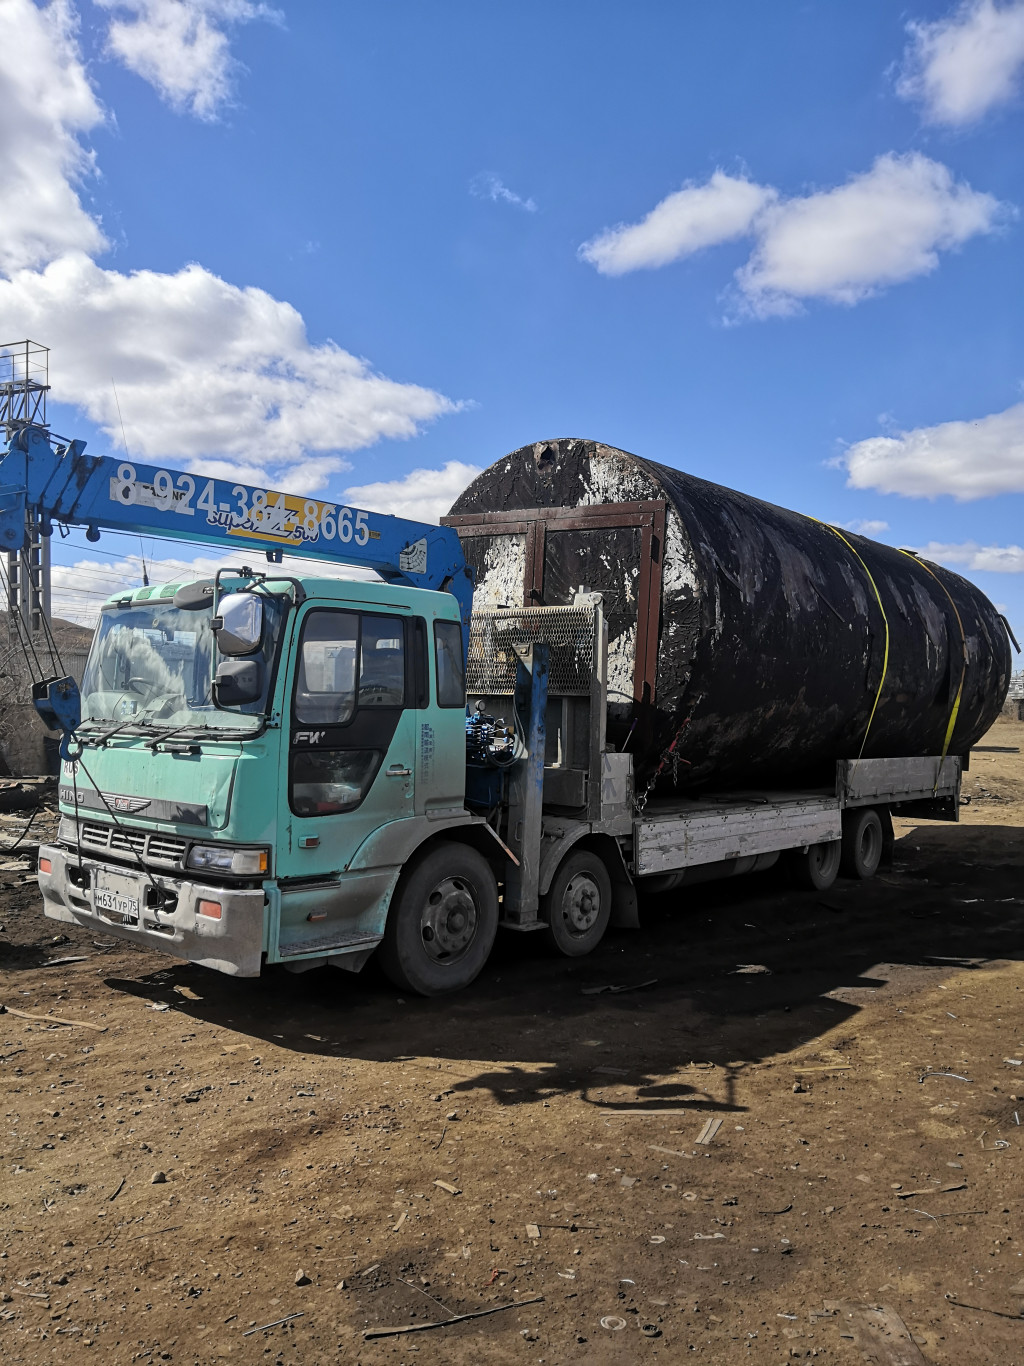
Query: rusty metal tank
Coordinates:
[748,645]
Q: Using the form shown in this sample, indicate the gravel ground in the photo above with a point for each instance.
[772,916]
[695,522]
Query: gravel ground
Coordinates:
[196,1157]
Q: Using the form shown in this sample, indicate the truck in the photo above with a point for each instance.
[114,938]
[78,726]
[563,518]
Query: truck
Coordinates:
[535,711]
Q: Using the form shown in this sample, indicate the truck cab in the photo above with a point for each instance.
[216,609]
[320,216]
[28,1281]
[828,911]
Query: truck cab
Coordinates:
[257,762]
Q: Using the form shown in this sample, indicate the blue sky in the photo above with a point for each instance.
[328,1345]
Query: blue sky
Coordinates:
[330,245]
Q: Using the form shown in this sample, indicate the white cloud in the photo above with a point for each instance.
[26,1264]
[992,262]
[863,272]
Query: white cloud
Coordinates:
[206,371]
[487,185]
[866,527]
[962,66]
[80,589]
[883,226]
[45,102]
[977,459]
[694,217]
[180,47]
[880,228]
[991,559]
[423,495]
[204,368]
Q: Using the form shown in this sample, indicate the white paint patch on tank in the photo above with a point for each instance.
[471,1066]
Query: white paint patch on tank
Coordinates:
[621,664]
[613,480]
[501,584]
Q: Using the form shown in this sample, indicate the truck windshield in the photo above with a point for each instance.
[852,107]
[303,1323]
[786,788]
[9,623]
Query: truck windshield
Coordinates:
[152,664]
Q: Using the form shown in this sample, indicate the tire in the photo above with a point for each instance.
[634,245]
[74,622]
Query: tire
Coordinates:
[862,842]
[578,905]
[443,919]
[818,868]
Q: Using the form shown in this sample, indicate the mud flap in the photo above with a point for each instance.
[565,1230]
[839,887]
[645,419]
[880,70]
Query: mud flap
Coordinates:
[625,910]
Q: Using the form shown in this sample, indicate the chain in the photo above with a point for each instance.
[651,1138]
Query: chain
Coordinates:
[671,755]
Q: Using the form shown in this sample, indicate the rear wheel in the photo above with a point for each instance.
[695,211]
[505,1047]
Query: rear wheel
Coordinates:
[862,843]
[442,922]
[578,905]
[818,866]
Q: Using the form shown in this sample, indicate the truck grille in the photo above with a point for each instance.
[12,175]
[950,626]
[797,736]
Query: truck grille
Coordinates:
[165,850]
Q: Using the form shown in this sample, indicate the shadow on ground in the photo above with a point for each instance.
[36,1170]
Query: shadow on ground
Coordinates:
[743,970]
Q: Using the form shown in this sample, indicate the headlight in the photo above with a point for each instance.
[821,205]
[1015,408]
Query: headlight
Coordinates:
[222,858]
[67,831]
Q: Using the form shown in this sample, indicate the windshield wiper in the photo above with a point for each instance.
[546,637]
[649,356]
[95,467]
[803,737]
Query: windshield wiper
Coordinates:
[207,731]
[139,725]
[101,736]
[164,736]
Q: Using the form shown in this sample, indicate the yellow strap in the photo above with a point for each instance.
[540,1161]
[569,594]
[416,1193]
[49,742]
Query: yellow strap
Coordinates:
[963,641]
[885,619]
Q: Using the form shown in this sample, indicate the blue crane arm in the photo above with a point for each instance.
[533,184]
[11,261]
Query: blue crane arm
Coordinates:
[65,485]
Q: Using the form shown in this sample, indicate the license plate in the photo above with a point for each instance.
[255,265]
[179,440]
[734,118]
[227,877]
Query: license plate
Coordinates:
[116,897]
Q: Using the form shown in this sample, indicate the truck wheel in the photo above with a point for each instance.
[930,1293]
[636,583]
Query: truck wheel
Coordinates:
[818,867]
[578,905]
[862,843]
[442,922]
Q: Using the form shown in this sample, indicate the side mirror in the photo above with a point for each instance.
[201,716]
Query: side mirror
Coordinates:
[239,628]
[238,681]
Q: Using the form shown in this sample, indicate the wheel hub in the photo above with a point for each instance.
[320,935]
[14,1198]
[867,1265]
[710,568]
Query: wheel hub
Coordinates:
[449,922]
[581,904]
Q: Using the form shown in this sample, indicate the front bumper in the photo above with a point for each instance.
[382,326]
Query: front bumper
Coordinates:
[233,944]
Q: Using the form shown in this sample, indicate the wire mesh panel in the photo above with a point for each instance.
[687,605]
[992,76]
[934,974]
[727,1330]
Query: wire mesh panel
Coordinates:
[495,632]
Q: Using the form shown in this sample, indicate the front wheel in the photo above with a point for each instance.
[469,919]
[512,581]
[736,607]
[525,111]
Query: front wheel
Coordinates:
[578,905]
[818,866]
[442,922]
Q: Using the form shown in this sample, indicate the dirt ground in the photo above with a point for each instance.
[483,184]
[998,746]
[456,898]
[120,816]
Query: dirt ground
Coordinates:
[199,1156]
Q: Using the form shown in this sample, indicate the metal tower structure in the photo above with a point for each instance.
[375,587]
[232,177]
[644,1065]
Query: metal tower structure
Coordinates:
[24,384]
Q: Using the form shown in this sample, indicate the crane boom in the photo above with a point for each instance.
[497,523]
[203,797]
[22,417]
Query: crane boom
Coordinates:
[102,493]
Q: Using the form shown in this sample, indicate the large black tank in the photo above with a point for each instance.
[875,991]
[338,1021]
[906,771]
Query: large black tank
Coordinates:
[779,644]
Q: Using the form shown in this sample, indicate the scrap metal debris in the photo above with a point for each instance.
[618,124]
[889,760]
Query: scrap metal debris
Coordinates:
[944,1190]
[711,1128]
[53,1019]
[614,990]
[879,1333]
[445,1323]
[981,1308]
[276,1324]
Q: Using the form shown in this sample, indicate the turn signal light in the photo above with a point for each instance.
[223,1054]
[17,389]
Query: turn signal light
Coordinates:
[210,908]
[45,866]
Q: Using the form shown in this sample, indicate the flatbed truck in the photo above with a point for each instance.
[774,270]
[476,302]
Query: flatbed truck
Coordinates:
[273,768]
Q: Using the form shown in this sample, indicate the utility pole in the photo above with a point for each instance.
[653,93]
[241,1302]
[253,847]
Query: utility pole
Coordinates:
[24,384]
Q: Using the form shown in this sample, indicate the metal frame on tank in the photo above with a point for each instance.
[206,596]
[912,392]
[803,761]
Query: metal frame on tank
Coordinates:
[535,523]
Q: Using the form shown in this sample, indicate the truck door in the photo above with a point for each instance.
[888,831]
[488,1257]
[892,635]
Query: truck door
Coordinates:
[350,768]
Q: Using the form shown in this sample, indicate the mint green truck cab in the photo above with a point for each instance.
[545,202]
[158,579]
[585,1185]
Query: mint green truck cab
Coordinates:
[274,784]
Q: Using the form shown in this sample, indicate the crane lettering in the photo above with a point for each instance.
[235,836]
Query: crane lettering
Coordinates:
[243,511]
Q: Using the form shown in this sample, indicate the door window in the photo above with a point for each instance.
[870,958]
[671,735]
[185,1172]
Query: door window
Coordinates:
[350,689]
[382,663]
[325,691]
[451,681]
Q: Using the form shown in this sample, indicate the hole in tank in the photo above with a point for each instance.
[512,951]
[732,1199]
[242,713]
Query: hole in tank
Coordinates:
[546,460]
